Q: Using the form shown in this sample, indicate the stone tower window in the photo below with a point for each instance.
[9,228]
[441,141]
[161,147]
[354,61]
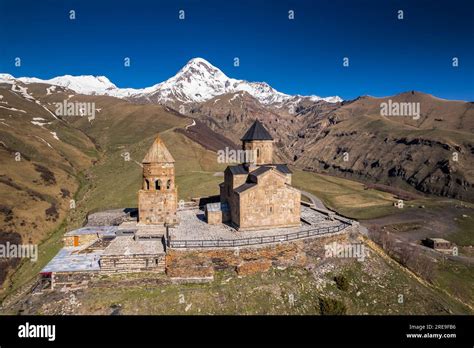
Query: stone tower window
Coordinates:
[158,185]
[168,184]
[147,183]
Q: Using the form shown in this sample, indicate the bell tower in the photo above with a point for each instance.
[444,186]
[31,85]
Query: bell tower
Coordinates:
[259,143]
[157,200]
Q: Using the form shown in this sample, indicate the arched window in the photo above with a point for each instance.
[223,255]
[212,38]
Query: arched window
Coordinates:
[168,184]
[158,185]
[258,152]
[147,184]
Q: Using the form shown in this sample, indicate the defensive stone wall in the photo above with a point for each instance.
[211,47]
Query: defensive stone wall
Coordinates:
[202,263]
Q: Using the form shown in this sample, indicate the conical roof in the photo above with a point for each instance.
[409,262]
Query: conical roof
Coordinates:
[158,153]
[257,132]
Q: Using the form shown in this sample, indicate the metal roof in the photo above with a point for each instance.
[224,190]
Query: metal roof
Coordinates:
[244,187]
[238,169]
[260,170]
[257,132]
[217,206]
[70,260]
[101,230]
[283,168]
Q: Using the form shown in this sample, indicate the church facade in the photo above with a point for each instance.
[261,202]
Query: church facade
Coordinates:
[258,193]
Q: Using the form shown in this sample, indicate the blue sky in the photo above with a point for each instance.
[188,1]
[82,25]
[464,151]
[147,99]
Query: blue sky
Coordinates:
[304,55]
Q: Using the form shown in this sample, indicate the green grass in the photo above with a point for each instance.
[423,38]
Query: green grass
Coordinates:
[349,198]
[378,291]
[464,235]
[265,293]
[457,279]
[345,196]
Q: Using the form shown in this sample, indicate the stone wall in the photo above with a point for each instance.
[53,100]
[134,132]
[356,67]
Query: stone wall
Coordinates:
[74,280]
[263,149]
[270,204]
[214,217]
[132,263]
[201,263]
[158,198]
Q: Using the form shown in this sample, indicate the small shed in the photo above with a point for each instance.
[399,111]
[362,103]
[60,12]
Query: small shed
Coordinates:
[217,213]
[86,235]
[439,244]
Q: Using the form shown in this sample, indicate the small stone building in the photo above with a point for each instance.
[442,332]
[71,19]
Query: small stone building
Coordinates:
[217,213]
[142,252]
[157,200]
[439,244]
[258,192]
[87,235]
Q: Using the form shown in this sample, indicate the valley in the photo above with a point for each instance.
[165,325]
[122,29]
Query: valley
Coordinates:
[57,169]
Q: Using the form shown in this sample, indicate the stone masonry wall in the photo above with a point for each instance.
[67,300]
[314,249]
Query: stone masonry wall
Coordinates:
[201,263]
[157,202]
[265,150]
[270,204]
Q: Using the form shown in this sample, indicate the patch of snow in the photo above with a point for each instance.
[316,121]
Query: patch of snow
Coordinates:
[191,125]
[41,124]
[44,141]
[23,91]
[50,90]
[55,136]
[7,78]
[13,109]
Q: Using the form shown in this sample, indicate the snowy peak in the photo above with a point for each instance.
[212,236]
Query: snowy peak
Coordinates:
[197,81]
[83,84]
[199,67]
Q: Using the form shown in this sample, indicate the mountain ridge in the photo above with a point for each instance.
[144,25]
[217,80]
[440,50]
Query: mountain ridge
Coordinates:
[197,81]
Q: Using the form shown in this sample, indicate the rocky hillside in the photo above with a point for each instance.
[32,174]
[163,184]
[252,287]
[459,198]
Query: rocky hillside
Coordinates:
[41,158]
[432,153]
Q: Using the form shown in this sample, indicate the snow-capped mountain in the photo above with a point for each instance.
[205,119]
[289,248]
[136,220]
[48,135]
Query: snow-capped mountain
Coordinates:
[197,81]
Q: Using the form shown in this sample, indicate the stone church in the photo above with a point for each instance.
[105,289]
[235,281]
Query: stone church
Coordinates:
[257,194]
[157,200]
